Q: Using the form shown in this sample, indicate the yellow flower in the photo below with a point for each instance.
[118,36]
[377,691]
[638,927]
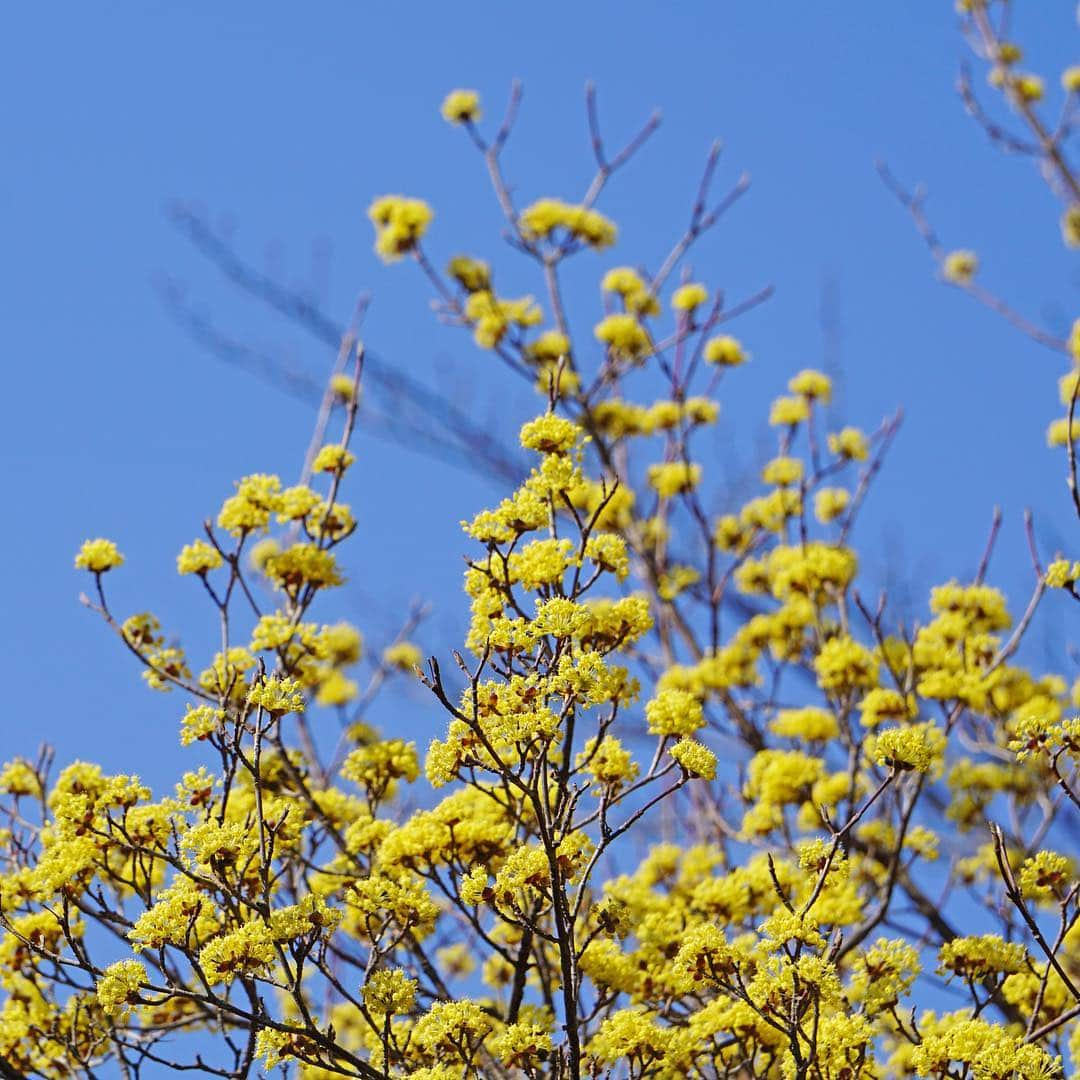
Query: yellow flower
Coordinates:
[842,664]
[374,765]
[400,223]
[403,655]
[545,216]
[1046,876]
[549,434]
[609,552]
[296,503]
[1061,573]
[473,275]
[688,298]
[780,777]
[982,607]
[342,386]
[674,478]
[257,497]
[830,503]
[473,886]
[785,926]
[980,957]
[701,410]
[492,316]
[198,557]
[809,723]
[461,107]
[914,747]
[989,1049]
[261,552]
[637,297]
[300,565]
[549,348]
[277,695]
[1009,53]
[274,1047]
[118,987]
[523,1046]
[624,336]
[788,411]
[631,1034]
[559,617]
[676,580]
[98,556]
[200,722]
[1057,434]
[623,280]
[1070,224]
[452,1031]
[882,704]
[1029,88]
[340,644]
[17,777]
[335,688]
[332,459]
[812,385]
[724,350]
[783,471]
[695,758]
[247,950]
[609,764]
[389,993]
[674,712]
[960,267]
[730,535]
[849,443]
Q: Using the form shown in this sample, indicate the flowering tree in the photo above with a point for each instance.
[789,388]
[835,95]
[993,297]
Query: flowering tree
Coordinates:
[869,873]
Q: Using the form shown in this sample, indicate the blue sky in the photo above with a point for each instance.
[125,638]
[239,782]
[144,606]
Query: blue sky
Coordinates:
[282,121]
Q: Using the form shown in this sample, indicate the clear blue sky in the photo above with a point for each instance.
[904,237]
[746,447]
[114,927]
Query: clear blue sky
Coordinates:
[286,119]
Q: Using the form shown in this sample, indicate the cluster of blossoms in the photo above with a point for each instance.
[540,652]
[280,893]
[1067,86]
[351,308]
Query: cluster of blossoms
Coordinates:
[647,645]
[547,219]
[401,223]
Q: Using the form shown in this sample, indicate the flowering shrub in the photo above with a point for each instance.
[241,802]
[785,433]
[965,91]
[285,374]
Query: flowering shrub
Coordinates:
[864,868]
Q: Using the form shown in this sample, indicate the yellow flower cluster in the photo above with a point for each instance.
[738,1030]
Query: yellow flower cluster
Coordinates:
[400,224]
[960,267]
[673,478]
[688,298]
[492,317]
[625,337]
[546,217]
[198,557]
[915,747]
[403,655]
[98,556]
[637,297]
[724,350]
[461,107]
[696,759]
[118,988]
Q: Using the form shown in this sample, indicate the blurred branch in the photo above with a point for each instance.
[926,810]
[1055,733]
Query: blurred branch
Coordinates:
[989,44]
[403,421]
[701,217]
[605,167]
[995,132]
[914,202]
